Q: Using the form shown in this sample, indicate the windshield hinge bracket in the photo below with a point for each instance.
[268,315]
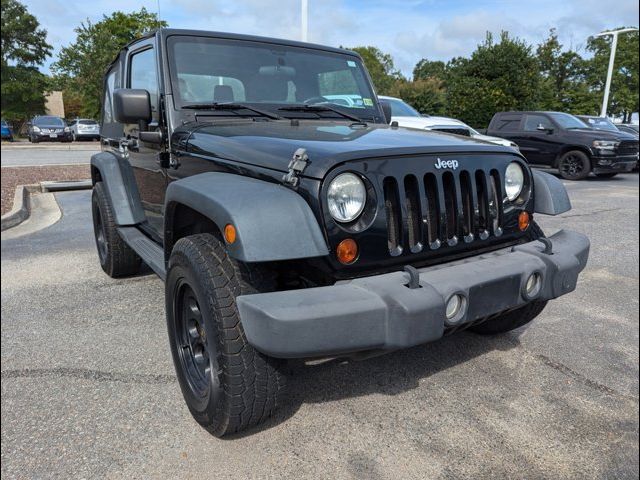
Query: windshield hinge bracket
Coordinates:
[296,166]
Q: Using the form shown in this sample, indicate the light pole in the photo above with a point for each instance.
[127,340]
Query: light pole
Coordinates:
[612,57]
[304,6]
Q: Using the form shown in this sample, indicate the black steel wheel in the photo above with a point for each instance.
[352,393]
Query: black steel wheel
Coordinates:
[227,385]
[197,356]
[117,259]
[574,165]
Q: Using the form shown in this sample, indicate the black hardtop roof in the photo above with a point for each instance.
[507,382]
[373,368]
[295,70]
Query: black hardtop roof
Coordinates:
[167,32]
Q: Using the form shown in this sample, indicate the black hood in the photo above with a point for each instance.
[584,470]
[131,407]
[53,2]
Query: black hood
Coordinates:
[271,144]
[595,134]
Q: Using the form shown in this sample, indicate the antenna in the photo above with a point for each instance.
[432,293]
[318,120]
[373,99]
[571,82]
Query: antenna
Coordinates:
[158,5]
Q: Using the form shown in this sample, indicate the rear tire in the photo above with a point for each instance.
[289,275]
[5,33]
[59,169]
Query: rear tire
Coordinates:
[227,384]
[117,258]
[574,165]
[519,317]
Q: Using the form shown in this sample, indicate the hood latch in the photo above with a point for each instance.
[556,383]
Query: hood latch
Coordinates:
[296,166]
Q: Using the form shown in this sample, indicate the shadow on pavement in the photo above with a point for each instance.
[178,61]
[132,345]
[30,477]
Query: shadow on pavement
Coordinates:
[390,374]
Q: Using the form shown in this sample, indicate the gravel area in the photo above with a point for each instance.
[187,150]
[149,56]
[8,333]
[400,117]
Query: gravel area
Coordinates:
[13,176]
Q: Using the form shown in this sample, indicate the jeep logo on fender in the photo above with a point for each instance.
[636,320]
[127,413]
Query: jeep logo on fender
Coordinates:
[452,164]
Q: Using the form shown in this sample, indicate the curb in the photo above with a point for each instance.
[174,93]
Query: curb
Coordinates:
[21,206]
[22,199]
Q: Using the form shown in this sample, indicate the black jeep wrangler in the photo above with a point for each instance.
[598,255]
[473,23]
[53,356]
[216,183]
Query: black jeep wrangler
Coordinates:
[259,178]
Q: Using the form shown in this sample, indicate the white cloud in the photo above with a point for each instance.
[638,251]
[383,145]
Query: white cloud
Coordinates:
[409,30]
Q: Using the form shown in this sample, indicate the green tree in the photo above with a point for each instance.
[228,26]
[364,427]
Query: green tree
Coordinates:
[429,69]
[563,83]
[23,48]
[82,64]
[425,95]
[497,77]
[381,68]
[623,99]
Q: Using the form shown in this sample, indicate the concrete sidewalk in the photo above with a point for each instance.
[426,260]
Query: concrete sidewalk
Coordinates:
[23,154]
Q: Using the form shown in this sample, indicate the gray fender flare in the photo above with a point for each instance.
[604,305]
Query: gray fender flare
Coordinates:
[272,222]
[551,197]
[119,182]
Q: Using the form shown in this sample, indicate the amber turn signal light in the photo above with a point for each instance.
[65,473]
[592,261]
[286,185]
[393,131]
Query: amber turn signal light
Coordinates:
[523,221]
[347,251]
[230,233]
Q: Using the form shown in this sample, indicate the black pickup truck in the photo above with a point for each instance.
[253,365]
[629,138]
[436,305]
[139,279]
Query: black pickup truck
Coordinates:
[564,142]
[286,224]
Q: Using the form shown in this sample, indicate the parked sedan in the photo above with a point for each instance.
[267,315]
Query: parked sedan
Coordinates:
[408,117]
[49,128]
[7,133]
[85,129]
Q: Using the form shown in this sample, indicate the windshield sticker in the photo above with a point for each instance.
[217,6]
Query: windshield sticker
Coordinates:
[351,63]
[368,102]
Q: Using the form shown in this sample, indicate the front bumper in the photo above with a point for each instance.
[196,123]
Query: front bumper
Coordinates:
[383,313]
[59,137]
[620,164]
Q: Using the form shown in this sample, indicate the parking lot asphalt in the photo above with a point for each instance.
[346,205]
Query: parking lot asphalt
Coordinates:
[88,386]
[22,154]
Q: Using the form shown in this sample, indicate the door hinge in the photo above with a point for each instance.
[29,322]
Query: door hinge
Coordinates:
[296,166]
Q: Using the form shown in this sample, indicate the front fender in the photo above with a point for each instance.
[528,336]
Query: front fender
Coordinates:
[551,196]
[120,186]
[272,222]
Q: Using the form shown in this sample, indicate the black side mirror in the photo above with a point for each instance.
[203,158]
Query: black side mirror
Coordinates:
[131,105]
[386,109]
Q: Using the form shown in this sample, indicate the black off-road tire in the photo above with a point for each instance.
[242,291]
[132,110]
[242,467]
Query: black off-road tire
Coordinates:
[117,259]
[227,384]
[515,318]
[574,165]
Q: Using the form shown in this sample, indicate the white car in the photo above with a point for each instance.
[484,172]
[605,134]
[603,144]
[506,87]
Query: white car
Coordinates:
[408,117]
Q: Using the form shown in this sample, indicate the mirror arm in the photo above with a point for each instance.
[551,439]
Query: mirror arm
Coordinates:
[151,137]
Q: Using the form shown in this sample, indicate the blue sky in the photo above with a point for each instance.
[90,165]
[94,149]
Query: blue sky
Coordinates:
[407,29]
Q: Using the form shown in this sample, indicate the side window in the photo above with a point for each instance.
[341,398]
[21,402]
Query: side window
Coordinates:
[143,75]
[508,123]
[107,104]
[531,122]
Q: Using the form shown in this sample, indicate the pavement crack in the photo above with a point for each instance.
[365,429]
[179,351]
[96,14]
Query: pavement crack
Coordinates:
[588,214]
[87,374]
[581,378]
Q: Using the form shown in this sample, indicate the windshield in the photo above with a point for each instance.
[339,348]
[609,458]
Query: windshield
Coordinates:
[47,120]
[87,122]
[600,123]
[401,109]
[567,121]
[209,70]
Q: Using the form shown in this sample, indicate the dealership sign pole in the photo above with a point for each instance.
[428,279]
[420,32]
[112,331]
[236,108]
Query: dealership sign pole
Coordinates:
[612,57]
[305,19]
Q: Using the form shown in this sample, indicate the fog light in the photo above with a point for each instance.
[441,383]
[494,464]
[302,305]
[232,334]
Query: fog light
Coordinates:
[456,307]
[347,251]
[533,286]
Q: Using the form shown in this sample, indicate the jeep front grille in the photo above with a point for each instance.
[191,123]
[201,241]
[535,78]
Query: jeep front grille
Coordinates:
[434,210]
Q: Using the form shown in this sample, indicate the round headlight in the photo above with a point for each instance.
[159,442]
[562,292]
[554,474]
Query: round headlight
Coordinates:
[513,181]
[346,197]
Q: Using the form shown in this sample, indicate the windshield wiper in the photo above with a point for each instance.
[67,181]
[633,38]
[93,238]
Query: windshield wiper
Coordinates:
[320,108]
[231,106]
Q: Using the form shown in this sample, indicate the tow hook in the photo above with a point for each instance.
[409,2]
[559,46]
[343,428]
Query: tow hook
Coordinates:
[414,277]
